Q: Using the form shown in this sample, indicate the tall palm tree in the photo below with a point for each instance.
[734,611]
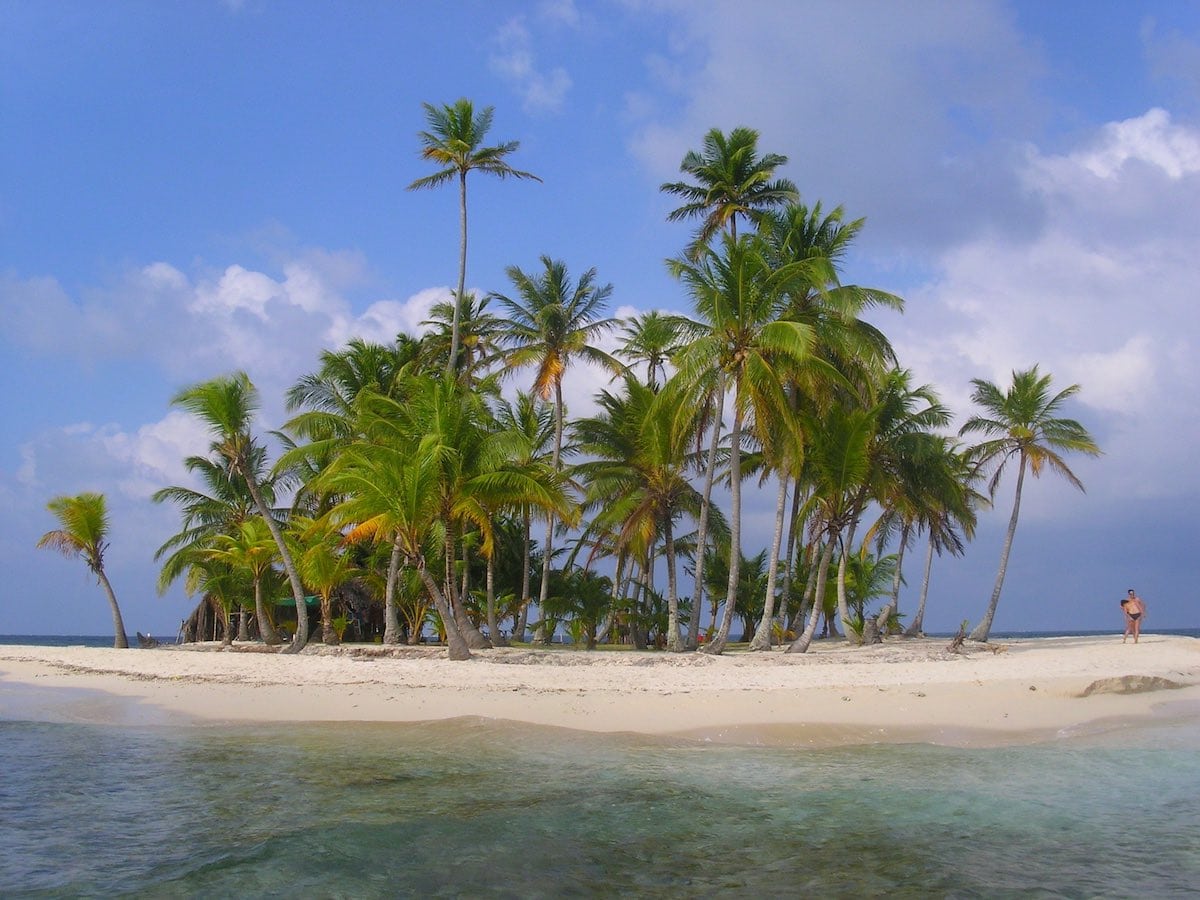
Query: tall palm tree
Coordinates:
[746,348]
[730,179]
[1023,423]
[454,141]
[83,532]
[220,507]
[552,323]
[529,423]
[227,406]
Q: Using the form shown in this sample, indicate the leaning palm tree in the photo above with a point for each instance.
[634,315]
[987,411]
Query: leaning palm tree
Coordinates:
[454,142]
[226,405]
[552,323]
[1022,423]
[84,532]
[729,179]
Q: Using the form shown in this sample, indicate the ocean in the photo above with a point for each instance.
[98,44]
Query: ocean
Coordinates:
[473,808]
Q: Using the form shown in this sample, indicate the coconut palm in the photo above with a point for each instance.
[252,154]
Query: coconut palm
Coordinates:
[636,476]
[1023,423]
[391,493]
[222,505]
[947,514]
[730,179]
[83,532]
[251,549]
[529,423]
[651,339]
[479,334]
[227,405]
[324,564]
[454,141]
[746,348]
[553,323]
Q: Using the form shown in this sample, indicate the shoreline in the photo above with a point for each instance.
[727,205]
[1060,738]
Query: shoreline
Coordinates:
[902,691]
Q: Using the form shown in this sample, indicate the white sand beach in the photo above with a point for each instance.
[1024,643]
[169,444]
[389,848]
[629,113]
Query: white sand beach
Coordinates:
[902,690]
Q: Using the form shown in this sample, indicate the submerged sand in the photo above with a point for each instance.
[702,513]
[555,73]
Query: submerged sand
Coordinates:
[898,691]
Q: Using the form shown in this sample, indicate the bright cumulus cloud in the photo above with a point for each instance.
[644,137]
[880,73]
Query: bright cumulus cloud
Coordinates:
[1101,293]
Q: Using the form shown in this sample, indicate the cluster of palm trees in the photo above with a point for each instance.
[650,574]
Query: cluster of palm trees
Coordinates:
[414,475]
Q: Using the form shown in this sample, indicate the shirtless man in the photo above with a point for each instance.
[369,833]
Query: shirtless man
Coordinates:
[1135,611]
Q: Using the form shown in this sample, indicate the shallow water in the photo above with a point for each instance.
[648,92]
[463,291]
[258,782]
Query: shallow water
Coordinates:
[472,808]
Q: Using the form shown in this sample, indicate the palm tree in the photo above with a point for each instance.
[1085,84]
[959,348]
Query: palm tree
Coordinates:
[636,476]
[529,424]
[729,179]
[478,334]
[552,323]
[947,514]
[83,533]
[651,339]
[220,508]
[227,405]
[393,494]
[1022,423]
[746,347]
[454,142]
[251,549]
[325,565]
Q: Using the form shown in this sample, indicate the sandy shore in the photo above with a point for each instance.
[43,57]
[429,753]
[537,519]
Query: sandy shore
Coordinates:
[1012,691]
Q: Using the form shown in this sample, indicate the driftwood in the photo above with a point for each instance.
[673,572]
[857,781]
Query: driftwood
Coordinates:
[147,641]
[956,645]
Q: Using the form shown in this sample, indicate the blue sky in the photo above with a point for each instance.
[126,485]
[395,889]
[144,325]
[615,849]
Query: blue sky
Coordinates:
[195,187]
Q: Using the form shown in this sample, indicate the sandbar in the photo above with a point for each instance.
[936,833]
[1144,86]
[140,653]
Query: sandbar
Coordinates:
[903,690]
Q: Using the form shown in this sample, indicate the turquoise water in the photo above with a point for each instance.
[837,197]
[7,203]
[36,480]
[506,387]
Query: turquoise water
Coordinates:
[481,809]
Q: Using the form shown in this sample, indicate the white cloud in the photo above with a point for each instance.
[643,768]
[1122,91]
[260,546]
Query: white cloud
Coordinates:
[541,91]
[1101,294]
[893,114]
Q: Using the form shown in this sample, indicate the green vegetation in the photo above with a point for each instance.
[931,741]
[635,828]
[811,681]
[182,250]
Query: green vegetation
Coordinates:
[415,484]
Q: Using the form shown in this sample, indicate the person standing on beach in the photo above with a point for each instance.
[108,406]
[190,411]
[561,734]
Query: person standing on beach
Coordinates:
[1135,611]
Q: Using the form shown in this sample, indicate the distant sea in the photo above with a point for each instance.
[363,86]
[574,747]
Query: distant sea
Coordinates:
[493,809]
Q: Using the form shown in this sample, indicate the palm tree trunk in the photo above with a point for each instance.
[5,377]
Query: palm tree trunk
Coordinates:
[266,628]
[762,635]
[918,622]
[717,645]
[289,566]
[493,623]
[456,646]
[243,624]
[810,584]
[843,607]
[541,637]
[801,644]
[984,627]
[789,564]
[893,605]
[391,621]
[522,621]
[472,635]
[674,638]
[120,640]
[452,362]
[328,632]
[702,525]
